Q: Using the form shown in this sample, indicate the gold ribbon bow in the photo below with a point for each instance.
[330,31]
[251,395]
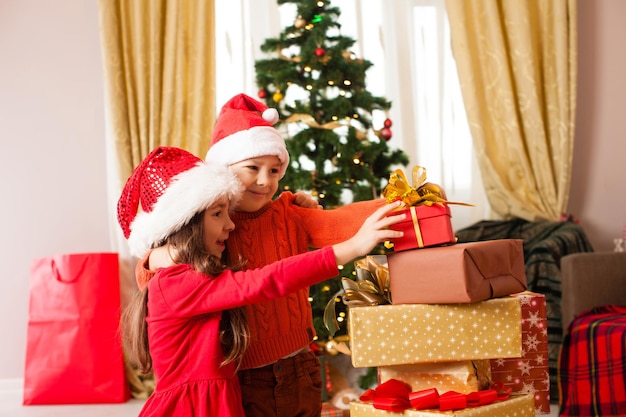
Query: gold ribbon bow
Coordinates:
[419,193]
[371,287]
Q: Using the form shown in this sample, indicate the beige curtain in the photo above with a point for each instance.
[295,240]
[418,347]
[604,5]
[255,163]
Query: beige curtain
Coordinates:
[159,70]
[517,66]
[159,73]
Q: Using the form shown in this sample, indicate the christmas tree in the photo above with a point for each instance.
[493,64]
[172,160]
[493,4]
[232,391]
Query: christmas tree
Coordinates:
[318,86]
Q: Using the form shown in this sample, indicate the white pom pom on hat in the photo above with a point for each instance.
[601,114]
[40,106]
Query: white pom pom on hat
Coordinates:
[271,115]
[245,129]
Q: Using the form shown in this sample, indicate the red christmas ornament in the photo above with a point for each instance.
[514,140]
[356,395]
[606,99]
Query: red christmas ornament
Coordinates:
[319,51]
[262,93]
[385,132]
[388,123]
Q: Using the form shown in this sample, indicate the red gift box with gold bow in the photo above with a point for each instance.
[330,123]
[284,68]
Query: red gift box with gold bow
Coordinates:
[428,217]
[424,226]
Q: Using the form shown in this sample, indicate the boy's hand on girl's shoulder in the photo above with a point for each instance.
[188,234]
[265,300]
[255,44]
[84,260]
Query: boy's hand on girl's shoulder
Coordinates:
[304,200]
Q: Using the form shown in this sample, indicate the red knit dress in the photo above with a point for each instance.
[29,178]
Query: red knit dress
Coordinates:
[184,313]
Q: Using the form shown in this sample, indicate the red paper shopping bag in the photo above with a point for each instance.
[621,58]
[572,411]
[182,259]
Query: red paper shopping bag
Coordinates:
[73,348]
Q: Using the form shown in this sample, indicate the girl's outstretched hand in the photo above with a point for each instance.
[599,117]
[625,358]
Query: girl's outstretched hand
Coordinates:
[375,229]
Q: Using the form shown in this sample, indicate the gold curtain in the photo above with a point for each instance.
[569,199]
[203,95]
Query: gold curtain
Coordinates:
[159,60]
[516,61]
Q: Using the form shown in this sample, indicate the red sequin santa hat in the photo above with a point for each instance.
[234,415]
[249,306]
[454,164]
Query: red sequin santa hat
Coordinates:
[245,129]
[171,185]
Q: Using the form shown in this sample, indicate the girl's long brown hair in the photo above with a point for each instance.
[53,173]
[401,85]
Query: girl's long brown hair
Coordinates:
[188,245]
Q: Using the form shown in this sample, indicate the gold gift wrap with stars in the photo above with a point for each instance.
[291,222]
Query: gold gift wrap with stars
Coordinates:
[421,333]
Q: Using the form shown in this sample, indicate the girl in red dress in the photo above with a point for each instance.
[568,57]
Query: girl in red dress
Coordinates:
[187,323]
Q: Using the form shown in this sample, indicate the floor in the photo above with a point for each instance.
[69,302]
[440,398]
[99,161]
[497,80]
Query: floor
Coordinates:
[11,406]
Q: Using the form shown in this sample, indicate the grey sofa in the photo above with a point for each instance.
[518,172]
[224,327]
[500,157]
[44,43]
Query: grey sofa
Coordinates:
[590,280]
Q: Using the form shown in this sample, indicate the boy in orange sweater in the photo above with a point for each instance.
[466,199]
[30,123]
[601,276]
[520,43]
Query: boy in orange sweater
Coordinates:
[279,374]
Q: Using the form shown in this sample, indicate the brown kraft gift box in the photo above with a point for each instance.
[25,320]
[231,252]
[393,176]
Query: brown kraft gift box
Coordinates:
[460,273]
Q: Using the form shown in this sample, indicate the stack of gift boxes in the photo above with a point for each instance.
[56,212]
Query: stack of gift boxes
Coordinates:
[460,323]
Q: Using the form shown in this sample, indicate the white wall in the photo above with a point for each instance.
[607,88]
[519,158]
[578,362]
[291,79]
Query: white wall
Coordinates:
[598,192]
[52,165]
[53,160]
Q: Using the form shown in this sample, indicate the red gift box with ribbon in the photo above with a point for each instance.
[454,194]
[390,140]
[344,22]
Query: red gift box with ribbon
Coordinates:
[424,226]
[529,374]
[427,213]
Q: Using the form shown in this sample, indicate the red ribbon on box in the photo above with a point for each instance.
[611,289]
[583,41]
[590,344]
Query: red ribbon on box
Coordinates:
[394,395]
[427,398]
[482,397]
[395,405]
[452,400]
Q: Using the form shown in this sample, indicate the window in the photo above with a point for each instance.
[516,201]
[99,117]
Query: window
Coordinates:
[408,41]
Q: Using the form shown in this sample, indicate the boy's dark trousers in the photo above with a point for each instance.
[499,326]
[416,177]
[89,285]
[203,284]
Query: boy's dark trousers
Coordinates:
[290,387]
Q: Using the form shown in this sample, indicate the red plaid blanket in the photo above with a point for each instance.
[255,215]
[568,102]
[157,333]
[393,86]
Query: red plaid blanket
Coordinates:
[592,366]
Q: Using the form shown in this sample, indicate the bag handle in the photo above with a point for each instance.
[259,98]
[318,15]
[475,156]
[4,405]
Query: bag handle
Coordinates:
[58,276]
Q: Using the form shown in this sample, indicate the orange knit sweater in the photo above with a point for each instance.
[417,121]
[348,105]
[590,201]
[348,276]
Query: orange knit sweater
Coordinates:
[279,230]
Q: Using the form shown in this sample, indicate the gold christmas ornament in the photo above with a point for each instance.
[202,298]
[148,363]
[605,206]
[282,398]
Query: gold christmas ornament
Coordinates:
[299,23]
[278,96]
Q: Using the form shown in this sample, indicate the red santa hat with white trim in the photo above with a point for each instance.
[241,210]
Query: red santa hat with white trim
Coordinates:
[171,185]
[245,129]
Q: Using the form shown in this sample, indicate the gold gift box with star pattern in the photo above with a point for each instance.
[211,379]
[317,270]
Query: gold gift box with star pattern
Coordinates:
[422,333]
